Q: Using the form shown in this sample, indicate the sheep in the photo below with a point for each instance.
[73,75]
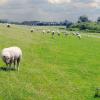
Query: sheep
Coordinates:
[74,33]
[66,33]
[32,30]
[77,33]
[8,25]
[44,31]
[11,55]
[53,32]
[58,33]
[79,36]
[48,31]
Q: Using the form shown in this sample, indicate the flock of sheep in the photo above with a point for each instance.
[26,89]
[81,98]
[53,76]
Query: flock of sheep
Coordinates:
[13,55]
[57,32]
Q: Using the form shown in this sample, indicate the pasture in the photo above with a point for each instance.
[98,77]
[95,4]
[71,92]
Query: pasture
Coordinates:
[59,68]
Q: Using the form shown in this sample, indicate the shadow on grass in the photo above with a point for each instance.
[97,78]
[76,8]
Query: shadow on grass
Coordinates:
[6,69]
[96,96]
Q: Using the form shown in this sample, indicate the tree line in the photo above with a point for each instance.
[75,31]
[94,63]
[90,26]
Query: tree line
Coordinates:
[83,23]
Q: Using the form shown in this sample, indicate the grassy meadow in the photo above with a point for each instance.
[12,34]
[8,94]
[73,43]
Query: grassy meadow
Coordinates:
[59,68]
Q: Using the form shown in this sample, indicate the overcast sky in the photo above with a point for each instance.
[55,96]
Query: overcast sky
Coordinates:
[48,10]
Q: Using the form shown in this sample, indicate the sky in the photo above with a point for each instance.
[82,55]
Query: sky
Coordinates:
[48,10]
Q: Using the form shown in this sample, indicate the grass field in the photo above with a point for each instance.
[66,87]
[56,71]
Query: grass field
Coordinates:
[59,68]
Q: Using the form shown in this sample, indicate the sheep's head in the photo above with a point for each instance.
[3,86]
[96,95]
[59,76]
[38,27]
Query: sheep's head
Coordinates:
[7,58]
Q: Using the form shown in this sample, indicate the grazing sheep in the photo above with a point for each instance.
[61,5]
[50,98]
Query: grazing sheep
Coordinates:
[48,31]
[58,33]
[77,33]
[79,36]
[8,25]
[32,30]
[74,33]
[66,33]
[44,31]
[53,32]
[12,55]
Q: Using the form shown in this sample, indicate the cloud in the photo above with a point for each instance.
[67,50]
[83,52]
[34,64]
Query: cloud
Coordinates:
[94,5]
[97,1]
[89,4]
[48,10]
[59,1]
[2,2]
[78,3]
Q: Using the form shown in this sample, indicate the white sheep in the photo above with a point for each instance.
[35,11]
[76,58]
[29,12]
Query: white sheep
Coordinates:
[12,55]
[32,30]
[66,33]
[74,33]
[44,31]
[79,36]
[48,31]
[77,33]
[58,33]
[53,32]
[8,25]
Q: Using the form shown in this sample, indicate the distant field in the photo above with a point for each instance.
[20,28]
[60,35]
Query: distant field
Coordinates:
[59,68]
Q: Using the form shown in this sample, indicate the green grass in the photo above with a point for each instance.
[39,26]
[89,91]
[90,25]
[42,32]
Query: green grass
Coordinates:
[59,68]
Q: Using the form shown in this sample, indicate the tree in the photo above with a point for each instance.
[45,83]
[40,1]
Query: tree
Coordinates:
[83,19]
[67,23]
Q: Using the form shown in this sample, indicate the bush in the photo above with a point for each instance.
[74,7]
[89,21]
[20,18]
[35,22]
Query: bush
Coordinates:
[87,26]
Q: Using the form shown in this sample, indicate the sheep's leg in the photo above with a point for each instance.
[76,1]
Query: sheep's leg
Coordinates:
[14,64]
[52,36]
[10,65]
[18,62]
[7,65]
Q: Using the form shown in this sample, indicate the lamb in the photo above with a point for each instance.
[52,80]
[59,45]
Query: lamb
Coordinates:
[12,55]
